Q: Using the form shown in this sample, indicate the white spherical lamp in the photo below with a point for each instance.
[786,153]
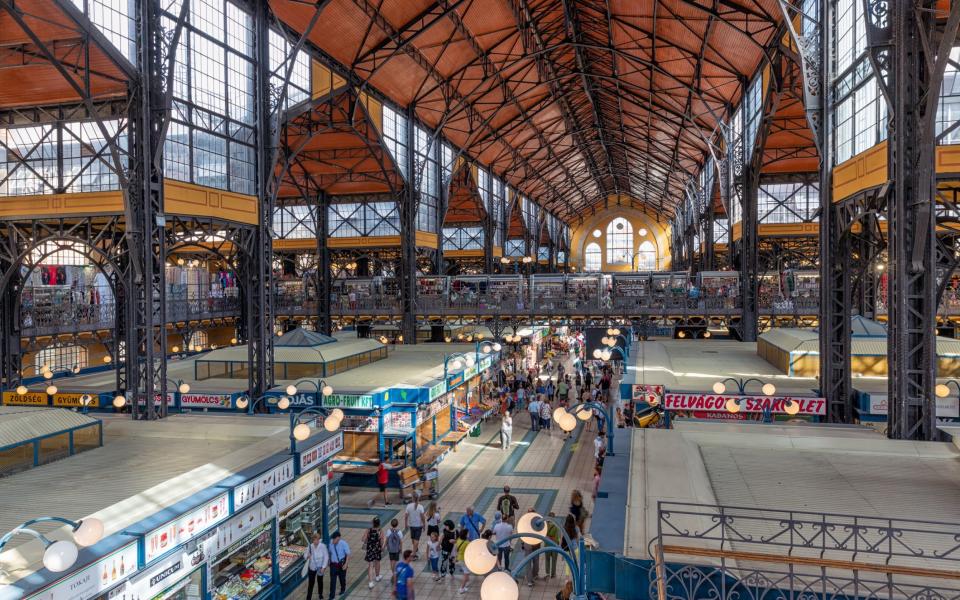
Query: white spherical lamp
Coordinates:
[301,432]
[184,387]
[719,387]
[107,359]
[470,360]
[497,347]
[597,353]
[941,390]
[456,364]
[791,407]
[732,406]
[47,375]
[60,556]
[584,414]
[291,390]
[568,422]
[531,522]
[242,402]
[89,533]
[478,557]
[499,586]
[768,389]
[119,401]
[284,403]
[21,390]
[51,389]
[337,414]
[558,413]
[331,424]
[485,349]
[327,390]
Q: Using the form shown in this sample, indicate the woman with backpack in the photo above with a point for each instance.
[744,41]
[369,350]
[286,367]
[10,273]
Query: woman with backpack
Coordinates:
[373,552]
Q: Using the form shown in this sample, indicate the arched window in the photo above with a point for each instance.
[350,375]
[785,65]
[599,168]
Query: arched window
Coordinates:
[619,241]
[592,256]
[647,256]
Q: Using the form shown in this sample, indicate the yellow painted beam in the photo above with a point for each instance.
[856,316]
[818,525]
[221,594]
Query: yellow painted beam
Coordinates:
[61,205]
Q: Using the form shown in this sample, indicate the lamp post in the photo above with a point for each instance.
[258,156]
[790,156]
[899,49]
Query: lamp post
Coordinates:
[481,559]
[767,389]
[60,555]
[566,418]
[943,389]
[457,361]
[300,430]
[182,388]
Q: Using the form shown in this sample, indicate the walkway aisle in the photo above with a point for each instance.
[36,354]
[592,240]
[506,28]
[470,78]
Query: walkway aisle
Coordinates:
[541,469]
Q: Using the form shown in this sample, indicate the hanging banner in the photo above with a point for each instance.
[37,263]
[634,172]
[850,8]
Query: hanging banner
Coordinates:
[163,539]
[93,580]
[749,404]
[247,493]
[73,400]
[348,401]
[28,399]
[321,452]
[206,400]
[946,407]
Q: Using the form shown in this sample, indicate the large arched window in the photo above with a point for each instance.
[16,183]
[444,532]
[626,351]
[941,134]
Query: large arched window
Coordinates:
[647,256]
[592,256]
[619,241]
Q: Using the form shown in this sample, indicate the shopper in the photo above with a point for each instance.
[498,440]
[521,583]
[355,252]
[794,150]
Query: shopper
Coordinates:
[393,541]
[598,443]
[473,523]
[373,551]
[433,553]
[448,558]
[317,560]
[545,414]
[553,533]
[506,431]
[339,554]
[534,409]
[403,576]
[507,504]
[461,549]
[432,519]
[577,509]
[383,475]
[502,531]
[566,593]
[413,520]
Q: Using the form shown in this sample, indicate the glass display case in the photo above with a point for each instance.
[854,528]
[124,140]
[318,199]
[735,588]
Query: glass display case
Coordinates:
[188,588]
[297,526]
[245,569]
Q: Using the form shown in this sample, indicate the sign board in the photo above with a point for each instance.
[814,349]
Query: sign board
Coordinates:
[95,579]
[165,573]
[321,452]
[300,399]
[437,391]
[470,372]
[359,423]
[426,411]
[206,400]
[651,394]
[28,399]
[167,537]
[748,404]
[73,400]
[237,528]
[348,401]
[156,399]
[946,407]
[486,362]
[301,487]
[398,420]
[247,493]
[454,381]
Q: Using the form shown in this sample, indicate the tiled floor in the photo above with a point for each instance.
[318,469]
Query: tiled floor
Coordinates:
[541,469]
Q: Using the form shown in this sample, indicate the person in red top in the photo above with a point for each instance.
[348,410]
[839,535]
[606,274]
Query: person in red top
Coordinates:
[382,477]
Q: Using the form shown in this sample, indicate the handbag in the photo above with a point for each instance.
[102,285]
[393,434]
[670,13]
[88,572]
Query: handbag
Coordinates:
[305,569]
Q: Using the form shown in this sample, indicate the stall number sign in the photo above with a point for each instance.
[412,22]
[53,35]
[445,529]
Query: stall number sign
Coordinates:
[348,401]
[298,490]
[251,491]
[643,392]
[95,579]
[438,390]
[206,400]
[28,399]
[74,400]
[748,404]
[946,407]
[163,539]
[321,452]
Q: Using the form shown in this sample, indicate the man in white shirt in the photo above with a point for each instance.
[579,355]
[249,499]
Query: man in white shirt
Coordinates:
[317,559]
[534,409]
[413,516]
[597,445]
[501,531]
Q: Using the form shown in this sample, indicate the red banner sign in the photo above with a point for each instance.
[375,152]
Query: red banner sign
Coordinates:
[748,404]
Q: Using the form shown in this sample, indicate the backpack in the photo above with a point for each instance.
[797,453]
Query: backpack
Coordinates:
[506,507]
[394,541]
